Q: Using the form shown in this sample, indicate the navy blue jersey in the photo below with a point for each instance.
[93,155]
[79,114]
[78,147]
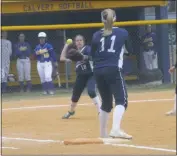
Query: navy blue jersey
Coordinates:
[108,50]
[84,67]
[22,50]
[149,41]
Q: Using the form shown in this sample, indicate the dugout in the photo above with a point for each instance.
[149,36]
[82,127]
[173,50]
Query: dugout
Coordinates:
[45,13]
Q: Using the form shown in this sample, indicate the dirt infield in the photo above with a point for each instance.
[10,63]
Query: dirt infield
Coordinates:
[35,126]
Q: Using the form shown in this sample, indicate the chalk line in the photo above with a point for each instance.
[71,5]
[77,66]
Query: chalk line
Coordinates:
[33,140]
[14,148]
[118,145]
[143,147]
[83,104]
[38,107]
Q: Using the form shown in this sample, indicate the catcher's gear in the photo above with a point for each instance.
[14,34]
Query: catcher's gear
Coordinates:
[74,55]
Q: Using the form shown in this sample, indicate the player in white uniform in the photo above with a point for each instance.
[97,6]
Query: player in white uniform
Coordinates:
[6,52]
[45,56]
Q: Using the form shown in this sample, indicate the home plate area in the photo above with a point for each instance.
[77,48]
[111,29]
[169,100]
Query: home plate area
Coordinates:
[35,127]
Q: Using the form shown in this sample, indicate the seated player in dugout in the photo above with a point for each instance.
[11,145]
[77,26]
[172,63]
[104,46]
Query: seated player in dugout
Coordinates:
[84,76]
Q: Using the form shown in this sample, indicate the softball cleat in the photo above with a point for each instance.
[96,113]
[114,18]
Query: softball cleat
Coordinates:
[171,113]
[119,134]
[68,114]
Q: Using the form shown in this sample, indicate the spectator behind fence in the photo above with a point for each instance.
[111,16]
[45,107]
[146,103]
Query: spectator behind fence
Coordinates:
[6,52]
[22,52]
[149,49]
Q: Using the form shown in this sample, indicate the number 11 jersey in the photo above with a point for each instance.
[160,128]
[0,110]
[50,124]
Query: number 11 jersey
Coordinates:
[108,50]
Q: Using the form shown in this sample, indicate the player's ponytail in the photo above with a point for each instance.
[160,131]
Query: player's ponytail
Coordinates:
[108,17]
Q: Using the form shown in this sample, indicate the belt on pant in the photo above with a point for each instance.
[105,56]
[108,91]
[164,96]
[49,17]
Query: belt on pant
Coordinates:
[43,61]
[148,50]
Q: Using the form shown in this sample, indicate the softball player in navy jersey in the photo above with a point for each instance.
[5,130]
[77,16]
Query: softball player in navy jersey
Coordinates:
[45,55]
[173,111]
[107,54]
[84,77]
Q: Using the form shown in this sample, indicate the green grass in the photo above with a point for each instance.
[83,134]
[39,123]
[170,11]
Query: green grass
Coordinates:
[65,93]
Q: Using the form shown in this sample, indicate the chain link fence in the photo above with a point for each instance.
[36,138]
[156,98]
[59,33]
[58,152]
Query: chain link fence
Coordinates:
[133,59]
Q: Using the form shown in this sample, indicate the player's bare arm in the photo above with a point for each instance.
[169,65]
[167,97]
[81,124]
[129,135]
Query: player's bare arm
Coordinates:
[63,53]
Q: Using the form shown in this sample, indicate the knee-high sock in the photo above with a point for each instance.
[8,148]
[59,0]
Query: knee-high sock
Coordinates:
[73,106]
[4,86]
[50,86]
[44,86]
[103,123]
[97,102]
[117,117]
[29,85]
[21,85]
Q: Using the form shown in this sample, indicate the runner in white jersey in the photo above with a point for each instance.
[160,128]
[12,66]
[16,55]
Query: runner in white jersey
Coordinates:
[6,52]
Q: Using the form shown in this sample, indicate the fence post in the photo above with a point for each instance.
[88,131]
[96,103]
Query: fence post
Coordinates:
[163,45]
[172,50]
[66,63]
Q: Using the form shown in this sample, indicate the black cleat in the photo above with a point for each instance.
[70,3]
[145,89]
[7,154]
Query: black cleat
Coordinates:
[68,114]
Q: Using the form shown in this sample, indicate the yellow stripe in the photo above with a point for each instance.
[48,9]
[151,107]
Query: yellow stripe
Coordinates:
[86,25]
[10,6]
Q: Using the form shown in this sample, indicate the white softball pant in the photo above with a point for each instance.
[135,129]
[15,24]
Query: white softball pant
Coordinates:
[24,69]
[5,73]
[150,60]
[45,71]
